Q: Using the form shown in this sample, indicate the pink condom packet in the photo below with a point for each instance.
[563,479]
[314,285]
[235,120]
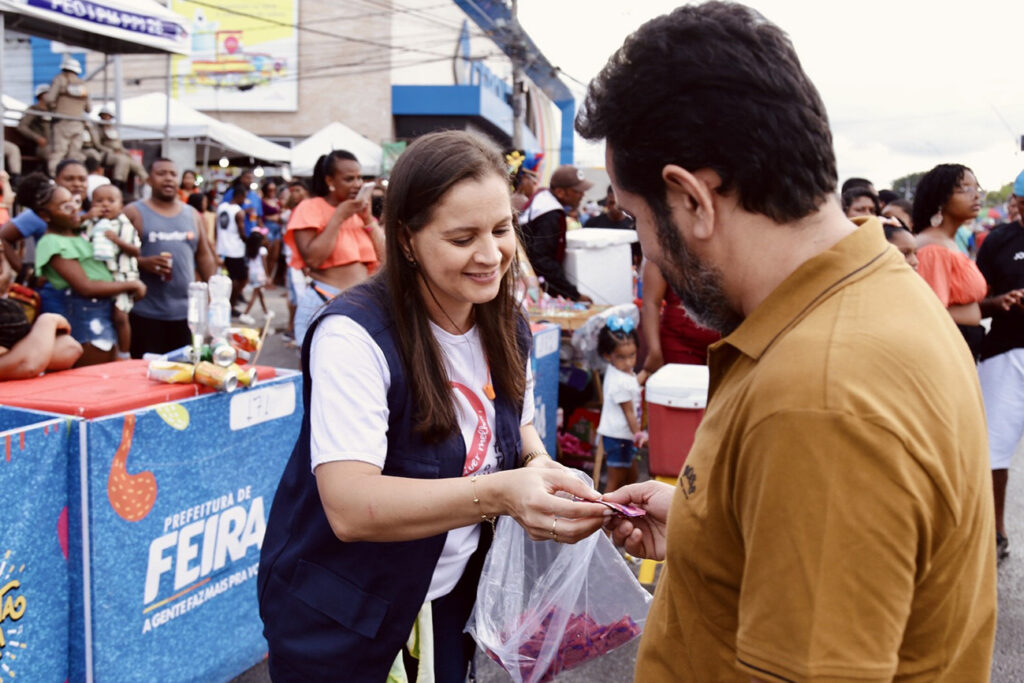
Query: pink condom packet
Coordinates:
[618,508]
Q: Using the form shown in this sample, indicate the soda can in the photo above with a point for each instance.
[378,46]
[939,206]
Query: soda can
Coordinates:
[246,376]
[215,376]
[222,353]
[170,265]
[171,373]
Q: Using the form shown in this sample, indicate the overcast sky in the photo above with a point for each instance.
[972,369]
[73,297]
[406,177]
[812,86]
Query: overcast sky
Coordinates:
[907,84]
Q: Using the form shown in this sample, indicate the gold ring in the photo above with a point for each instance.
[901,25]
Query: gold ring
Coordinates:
[554,535]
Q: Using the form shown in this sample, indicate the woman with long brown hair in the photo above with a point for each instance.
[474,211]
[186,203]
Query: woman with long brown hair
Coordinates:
[418,428]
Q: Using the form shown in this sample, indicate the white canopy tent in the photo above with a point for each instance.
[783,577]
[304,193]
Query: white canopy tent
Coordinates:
[336,135]
[143,118]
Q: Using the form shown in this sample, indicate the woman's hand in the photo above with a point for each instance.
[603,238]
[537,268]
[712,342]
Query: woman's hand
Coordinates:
[59,322]
[642,536]
[545,461]
[138,289]
[529,495]
[349,208]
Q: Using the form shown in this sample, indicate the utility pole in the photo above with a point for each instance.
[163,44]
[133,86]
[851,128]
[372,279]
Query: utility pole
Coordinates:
[518,105]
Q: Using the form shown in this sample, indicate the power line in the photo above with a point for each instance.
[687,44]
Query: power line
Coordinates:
[315,31]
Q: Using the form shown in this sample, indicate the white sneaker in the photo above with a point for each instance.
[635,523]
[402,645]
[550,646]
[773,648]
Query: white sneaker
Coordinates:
[246,319]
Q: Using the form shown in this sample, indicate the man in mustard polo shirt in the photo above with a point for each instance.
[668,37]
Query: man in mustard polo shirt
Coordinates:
[833,521]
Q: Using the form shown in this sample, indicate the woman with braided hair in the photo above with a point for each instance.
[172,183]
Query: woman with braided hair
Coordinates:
[947,197]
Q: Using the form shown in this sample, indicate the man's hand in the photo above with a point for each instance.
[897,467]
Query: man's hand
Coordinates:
[1010,299]
[156,264]
[642,536]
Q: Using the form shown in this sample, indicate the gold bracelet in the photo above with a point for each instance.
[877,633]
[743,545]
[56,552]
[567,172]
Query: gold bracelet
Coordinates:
[476,499]
[533,454]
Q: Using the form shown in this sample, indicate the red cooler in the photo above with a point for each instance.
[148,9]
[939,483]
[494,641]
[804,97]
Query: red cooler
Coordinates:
[676,397]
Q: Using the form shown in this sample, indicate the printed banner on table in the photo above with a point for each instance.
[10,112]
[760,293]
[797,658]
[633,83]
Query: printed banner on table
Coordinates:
[179,496]
[547,341]
[33,546]
[244,55]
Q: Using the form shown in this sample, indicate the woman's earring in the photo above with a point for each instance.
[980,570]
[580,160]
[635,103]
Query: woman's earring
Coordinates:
[330,188]
[936,220]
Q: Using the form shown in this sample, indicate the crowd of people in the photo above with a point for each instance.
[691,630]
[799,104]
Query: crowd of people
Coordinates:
[114,274]
[840,514]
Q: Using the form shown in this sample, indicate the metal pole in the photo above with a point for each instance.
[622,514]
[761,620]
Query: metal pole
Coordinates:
[118,88]
[517,84]
[3,161]
[167,112]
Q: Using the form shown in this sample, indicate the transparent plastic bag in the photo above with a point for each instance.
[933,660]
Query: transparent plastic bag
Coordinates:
[544,607]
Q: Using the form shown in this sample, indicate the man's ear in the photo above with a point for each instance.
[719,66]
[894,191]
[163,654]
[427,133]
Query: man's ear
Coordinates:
[693,192]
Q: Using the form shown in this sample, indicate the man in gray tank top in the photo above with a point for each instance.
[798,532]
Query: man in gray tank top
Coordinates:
[174,248]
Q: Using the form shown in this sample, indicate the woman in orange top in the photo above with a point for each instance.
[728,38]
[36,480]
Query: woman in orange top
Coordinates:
[333,234]
[188,185]
[946,197]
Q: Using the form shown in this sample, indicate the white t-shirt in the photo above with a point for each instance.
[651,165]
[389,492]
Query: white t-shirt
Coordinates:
[257,273]
[352,380]
[229,242]
[619,387]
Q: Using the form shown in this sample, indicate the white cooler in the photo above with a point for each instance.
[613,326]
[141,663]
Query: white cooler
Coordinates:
[599,262]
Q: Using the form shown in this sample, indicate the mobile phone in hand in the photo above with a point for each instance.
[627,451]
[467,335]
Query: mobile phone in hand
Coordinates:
[365,192]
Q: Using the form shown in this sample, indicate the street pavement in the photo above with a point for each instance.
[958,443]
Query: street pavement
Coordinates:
[617,667]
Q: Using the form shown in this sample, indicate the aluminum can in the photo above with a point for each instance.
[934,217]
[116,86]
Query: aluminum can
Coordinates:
[215,376]
[246,376]
[222,353]
[170,265]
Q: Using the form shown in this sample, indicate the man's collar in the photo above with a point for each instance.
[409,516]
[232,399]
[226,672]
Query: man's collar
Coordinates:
[813,281]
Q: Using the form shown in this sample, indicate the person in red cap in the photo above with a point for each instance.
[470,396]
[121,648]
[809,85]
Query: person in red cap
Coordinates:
[543,225]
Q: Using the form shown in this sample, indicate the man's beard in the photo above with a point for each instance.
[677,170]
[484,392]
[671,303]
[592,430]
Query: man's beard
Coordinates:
[698,285]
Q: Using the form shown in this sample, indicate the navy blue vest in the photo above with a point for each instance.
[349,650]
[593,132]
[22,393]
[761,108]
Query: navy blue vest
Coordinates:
[342,611]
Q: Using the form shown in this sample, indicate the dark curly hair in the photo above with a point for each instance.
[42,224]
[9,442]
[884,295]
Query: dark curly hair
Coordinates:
[608,340]
[714,86]
[933,191]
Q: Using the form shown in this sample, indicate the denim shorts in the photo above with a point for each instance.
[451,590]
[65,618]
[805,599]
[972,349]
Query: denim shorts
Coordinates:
[91,321]
[53,300]
[618,452]
[309,305]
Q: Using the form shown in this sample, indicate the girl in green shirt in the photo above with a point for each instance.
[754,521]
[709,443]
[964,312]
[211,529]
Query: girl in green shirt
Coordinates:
[66,261]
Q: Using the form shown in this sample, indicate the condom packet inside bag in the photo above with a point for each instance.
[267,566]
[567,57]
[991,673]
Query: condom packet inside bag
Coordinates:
[544,607]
